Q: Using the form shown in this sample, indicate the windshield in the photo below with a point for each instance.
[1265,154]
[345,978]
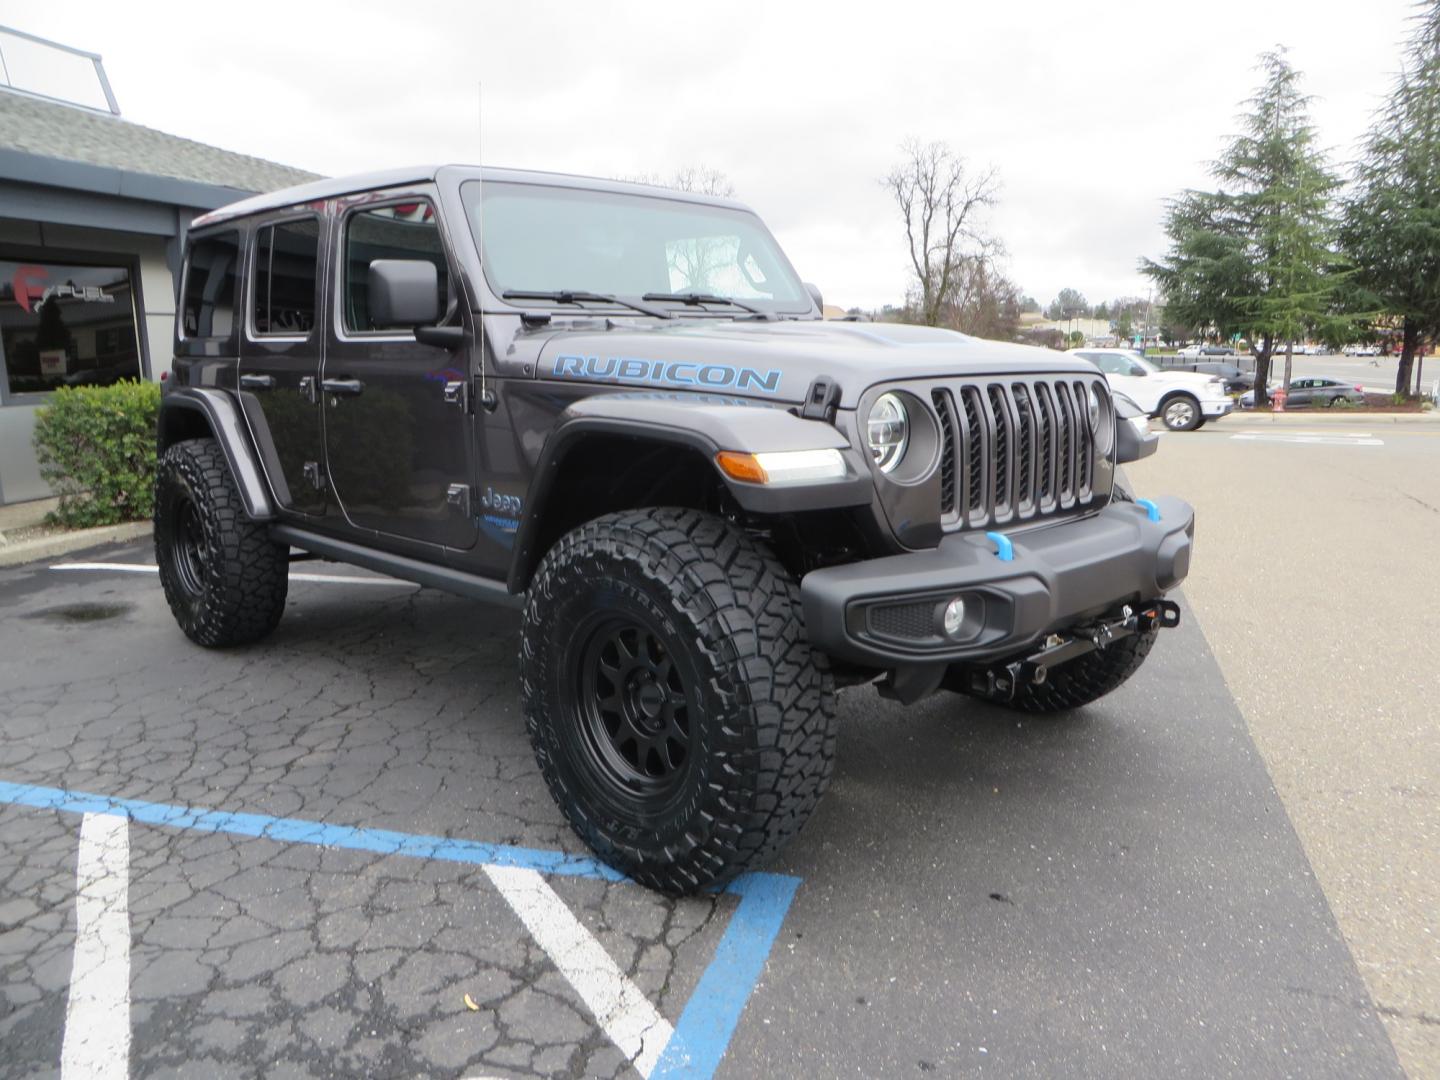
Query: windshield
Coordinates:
[1148,365]
[535,238]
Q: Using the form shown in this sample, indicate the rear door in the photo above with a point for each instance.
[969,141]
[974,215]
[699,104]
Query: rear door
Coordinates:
[398,428]
[280,358]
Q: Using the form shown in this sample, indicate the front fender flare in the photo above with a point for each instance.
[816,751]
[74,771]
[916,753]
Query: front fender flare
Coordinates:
[228,428]
[700,424]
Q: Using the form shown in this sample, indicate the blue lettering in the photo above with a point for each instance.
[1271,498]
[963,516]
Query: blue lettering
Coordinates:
[715,375]
[597,371]
[769,382]
[570,365]
[634,369]
[672,374]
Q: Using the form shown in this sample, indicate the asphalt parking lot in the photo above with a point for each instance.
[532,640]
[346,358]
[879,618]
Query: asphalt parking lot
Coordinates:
[336,857]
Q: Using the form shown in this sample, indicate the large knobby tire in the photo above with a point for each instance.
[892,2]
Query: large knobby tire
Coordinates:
[1087,679]
[680,718]
[224,577]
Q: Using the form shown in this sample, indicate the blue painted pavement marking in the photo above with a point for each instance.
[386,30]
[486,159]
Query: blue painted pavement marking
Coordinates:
[709,1018]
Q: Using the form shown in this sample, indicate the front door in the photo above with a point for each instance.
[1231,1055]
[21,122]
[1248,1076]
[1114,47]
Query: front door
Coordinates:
[280,360]
[398,431]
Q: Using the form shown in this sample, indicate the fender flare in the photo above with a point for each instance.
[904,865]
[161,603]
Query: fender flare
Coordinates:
[228,428]
[698,424]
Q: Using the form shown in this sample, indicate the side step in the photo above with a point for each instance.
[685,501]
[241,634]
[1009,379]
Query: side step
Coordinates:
[445,578]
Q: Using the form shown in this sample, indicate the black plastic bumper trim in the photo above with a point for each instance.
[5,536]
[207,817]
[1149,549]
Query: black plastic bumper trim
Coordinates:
[1060,574]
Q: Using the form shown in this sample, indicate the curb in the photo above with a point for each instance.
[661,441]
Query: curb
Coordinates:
[47,547]
[1349,417]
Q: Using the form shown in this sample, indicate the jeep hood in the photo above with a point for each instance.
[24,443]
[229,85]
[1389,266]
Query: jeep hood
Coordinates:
[777,361]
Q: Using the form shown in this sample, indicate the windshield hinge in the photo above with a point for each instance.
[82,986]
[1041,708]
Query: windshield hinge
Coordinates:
[821,400]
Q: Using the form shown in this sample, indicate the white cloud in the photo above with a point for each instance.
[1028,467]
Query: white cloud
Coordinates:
[1093,115]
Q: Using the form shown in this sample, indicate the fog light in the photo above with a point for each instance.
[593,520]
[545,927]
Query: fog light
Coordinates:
[954,619]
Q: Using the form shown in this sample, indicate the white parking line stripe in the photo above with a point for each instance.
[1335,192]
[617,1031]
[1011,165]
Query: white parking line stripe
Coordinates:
[625,1014]
[324,579]
[1309,440]
[97,1012]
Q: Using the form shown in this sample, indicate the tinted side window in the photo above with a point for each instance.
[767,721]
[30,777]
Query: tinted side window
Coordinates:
[403,231]
[283,293]
[208,307]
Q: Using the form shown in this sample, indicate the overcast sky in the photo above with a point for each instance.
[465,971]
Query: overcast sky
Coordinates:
[1092,114]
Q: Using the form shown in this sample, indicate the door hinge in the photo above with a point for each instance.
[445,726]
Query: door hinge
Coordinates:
[458,496]
[314,475]
[457,392]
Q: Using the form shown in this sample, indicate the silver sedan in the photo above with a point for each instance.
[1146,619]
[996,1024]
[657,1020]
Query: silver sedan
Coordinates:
[1311,391]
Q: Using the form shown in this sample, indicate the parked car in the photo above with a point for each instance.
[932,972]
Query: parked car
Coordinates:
[1311,391]
[1183,400]
[1361,350]
[1236,381]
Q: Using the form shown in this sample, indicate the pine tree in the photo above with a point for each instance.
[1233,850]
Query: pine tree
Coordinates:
[1255,256]
[1392,222]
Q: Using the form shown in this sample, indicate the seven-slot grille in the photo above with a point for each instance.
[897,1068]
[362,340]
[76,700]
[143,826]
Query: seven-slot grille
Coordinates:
[1013,450]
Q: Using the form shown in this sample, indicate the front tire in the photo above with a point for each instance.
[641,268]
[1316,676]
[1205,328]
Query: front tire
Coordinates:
[223,576]
[1181,412]
[678,714]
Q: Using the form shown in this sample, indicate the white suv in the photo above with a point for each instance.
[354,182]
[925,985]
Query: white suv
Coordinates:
[1182,399]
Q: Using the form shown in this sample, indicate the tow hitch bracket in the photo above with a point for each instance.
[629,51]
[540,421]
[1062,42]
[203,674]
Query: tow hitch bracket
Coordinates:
[1002,681]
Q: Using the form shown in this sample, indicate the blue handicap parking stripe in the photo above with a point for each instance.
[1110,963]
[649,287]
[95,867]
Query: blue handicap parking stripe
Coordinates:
[710,1016]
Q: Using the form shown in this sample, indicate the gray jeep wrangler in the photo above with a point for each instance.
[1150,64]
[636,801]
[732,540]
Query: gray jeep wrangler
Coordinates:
[617,408]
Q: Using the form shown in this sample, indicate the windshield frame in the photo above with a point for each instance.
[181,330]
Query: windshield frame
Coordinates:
[471,194]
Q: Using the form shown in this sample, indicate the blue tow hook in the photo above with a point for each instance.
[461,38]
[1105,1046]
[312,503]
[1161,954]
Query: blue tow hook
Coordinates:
[1151,510]
[1004,549]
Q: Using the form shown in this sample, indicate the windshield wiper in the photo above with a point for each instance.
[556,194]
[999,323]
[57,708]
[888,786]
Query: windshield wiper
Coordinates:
[572,296]
[695,299]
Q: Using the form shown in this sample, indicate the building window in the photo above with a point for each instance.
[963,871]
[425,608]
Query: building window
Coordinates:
[283,294]
[404,231]
[66,325]
[209,305]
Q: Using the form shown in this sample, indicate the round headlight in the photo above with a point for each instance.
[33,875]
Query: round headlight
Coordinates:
[887,431]
[1102,421]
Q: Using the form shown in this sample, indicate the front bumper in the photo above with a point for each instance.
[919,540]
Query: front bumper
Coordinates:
[1214,408]
[887,613]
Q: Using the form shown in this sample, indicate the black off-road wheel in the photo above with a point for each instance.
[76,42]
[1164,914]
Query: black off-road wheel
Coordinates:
[680,718]
[224,578]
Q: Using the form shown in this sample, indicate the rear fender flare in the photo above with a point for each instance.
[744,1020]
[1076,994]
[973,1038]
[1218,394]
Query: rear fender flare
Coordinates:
[178,410]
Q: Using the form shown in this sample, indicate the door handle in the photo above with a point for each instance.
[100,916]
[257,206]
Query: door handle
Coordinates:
[257,382]
[343,387]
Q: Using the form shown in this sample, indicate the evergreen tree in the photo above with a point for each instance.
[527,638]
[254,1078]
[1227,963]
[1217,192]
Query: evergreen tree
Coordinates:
[1255,256]
[1392,222]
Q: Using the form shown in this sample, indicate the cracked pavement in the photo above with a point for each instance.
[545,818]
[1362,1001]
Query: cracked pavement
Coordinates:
[1116,894]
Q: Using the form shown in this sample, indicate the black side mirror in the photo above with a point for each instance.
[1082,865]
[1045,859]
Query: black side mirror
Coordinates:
[403,293]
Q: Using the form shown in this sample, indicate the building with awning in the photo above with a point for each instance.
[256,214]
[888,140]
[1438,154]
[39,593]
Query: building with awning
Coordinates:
[93,215]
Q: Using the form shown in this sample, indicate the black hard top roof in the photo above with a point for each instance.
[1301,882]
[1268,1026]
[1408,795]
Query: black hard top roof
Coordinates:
[349,185]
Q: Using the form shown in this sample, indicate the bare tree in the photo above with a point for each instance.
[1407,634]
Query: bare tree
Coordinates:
[701,179]
[942,205]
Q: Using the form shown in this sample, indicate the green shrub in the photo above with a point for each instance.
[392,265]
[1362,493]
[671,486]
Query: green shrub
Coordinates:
[96,448]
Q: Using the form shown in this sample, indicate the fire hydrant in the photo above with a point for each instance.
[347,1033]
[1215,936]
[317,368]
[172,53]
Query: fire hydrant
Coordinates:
[1279,398]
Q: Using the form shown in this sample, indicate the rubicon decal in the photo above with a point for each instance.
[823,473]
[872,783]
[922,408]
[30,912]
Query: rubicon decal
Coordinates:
[630,369]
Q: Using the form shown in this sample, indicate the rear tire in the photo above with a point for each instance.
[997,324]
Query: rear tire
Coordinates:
[223,576]
[679,716]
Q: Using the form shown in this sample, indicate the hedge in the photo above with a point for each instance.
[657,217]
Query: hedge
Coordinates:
[96,448]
